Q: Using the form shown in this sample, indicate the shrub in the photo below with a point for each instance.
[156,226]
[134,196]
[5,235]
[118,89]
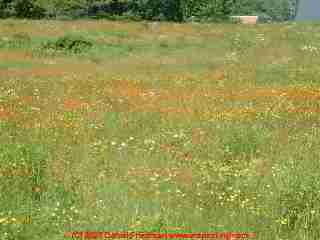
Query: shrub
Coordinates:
[28,9]
[68,43]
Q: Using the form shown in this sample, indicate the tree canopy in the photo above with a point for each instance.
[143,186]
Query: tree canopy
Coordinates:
[159,10]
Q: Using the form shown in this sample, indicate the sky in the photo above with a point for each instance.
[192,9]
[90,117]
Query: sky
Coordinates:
[308,10]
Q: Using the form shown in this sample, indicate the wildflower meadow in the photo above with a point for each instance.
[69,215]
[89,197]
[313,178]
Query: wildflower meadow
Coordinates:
[119,126]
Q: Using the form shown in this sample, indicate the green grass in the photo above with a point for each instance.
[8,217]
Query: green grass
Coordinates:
[210,128]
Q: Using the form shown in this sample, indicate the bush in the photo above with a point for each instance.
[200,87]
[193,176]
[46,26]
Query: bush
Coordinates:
[28,9]
[165,10]
[105,10]
[5,9]
[69,44]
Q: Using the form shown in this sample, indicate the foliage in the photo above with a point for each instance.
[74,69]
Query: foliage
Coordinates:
[68,43]
[160,10]
[21,9]
[56,8]
[278,10]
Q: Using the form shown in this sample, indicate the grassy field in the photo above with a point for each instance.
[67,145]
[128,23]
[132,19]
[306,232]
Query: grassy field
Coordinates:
[203,127]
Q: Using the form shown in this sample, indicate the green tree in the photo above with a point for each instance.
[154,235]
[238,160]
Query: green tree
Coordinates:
[20,9]
[55,8]
[6,8]
[168,10]
[278,10]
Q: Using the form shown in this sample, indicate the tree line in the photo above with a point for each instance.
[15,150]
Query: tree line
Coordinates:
[154,10]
